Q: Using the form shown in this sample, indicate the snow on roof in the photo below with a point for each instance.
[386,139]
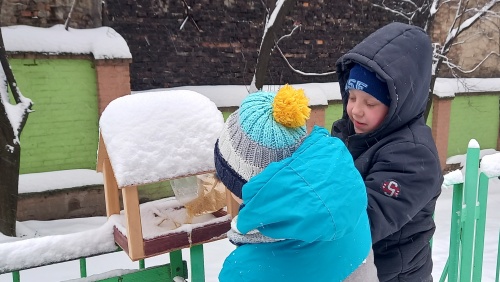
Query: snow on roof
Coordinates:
[322,93]
[448,87]
[160,135]
[102,42]
[233,95]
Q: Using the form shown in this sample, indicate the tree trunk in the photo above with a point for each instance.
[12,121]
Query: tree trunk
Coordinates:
[10,155]
[268,43]
[429,101]
[10,150]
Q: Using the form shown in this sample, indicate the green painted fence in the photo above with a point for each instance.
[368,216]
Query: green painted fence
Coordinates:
[468,224]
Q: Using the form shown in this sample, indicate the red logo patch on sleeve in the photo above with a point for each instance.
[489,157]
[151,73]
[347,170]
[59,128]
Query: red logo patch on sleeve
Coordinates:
[391,188]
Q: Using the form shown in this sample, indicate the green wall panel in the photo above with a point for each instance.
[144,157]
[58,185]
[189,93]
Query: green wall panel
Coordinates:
[332,113]
[226,114]
[473,117]
[62,132]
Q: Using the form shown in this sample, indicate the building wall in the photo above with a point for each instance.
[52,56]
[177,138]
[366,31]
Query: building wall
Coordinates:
[222,47]
[46,13]
[218,43]
[473,117]
[475,44]
[62,132]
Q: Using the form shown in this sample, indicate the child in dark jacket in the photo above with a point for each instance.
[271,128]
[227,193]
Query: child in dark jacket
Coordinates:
[303,213]
[384,82]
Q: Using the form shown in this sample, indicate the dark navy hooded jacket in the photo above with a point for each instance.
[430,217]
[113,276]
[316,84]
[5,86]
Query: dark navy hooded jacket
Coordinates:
[398,161]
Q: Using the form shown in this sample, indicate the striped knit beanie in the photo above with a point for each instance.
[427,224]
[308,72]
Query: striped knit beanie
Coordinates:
[267,127]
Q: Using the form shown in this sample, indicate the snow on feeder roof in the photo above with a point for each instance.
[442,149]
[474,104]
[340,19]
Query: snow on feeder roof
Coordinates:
[156,136]
[101,42]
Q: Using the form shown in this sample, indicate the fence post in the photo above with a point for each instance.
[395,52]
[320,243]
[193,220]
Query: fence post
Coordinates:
[16,277]
[83,267]
[469,216]
[480,228]
[498,259]
[197,263]
[455,232]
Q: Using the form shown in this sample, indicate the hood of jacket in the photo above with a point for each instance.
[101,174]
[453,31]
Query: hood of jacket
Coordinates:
[400,54]
[317,194]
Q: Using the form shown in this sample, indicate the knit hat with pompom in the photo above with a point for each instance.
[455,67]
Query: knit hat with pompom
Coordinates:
[267,127]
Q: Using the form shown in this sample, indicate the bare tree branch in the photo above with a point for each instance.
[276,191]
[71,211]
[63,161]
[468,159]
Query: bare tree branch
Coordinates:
[189,16]
[66,24]
[273,24]
[462,70]
[467,14]
[288,63]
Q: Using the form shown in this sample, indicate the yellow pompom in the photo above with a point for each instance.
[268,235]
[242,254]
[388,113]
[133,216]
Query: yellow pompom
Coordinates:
[290,107]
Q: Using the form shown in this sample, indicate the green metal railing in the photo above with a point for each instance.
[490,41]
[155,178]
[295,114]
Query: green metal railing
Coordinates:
[167,272]
[468,223]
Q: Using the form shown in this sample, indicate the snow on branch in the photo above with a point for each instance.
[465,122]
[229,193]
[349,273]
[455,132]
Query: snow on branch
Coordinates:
[16,114]
[406,9]
[455,32]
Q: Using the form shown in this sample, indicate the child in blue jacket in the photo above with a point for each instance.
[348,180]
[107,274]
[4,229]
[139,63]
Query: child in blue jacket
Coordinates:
[384,82]
[303,213]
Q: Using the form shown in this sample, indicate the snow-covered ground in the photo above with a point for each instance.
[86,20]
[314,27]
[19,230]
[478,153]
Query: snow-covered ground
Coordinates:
[215,252]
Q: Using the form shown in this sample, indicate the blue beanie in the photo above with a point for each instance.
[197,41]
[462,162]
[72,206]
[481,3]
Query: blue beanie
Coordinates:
[362,79]
[268,127]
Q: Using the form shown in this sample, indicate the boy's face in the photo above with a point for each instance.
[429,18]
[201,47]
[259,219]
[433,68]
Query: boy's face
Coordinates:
[365,111]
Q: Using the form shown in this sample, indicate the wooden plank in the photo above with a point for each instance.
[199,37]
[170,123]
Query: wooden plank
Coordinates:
[134,227]
[181,239]
[111,193]
[233,206]
[101,154]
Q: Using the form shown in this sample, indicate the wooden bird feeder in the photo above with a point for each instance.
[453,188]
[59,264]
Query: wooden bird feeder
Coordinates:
[152,137]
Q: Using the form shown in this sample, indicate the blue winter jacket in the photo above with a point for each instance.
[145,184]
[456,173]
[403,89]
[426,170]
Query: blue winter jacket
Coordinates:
[315,200]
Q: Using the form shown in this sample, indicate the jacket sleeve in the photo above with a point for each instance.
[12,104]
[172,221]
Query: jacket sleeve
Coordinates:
[411,174]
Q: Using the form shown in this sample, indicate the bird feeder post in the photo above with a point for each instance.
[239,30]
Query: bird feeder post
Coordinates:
[134,227]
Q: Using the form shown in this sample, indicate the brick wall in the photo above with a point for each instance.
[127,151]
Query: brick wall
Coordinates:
[474,44]
[473,115]
[440,126]
[222,47]
[113,81]
[62,131]
[69,93]
[46,13]
[317,117]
